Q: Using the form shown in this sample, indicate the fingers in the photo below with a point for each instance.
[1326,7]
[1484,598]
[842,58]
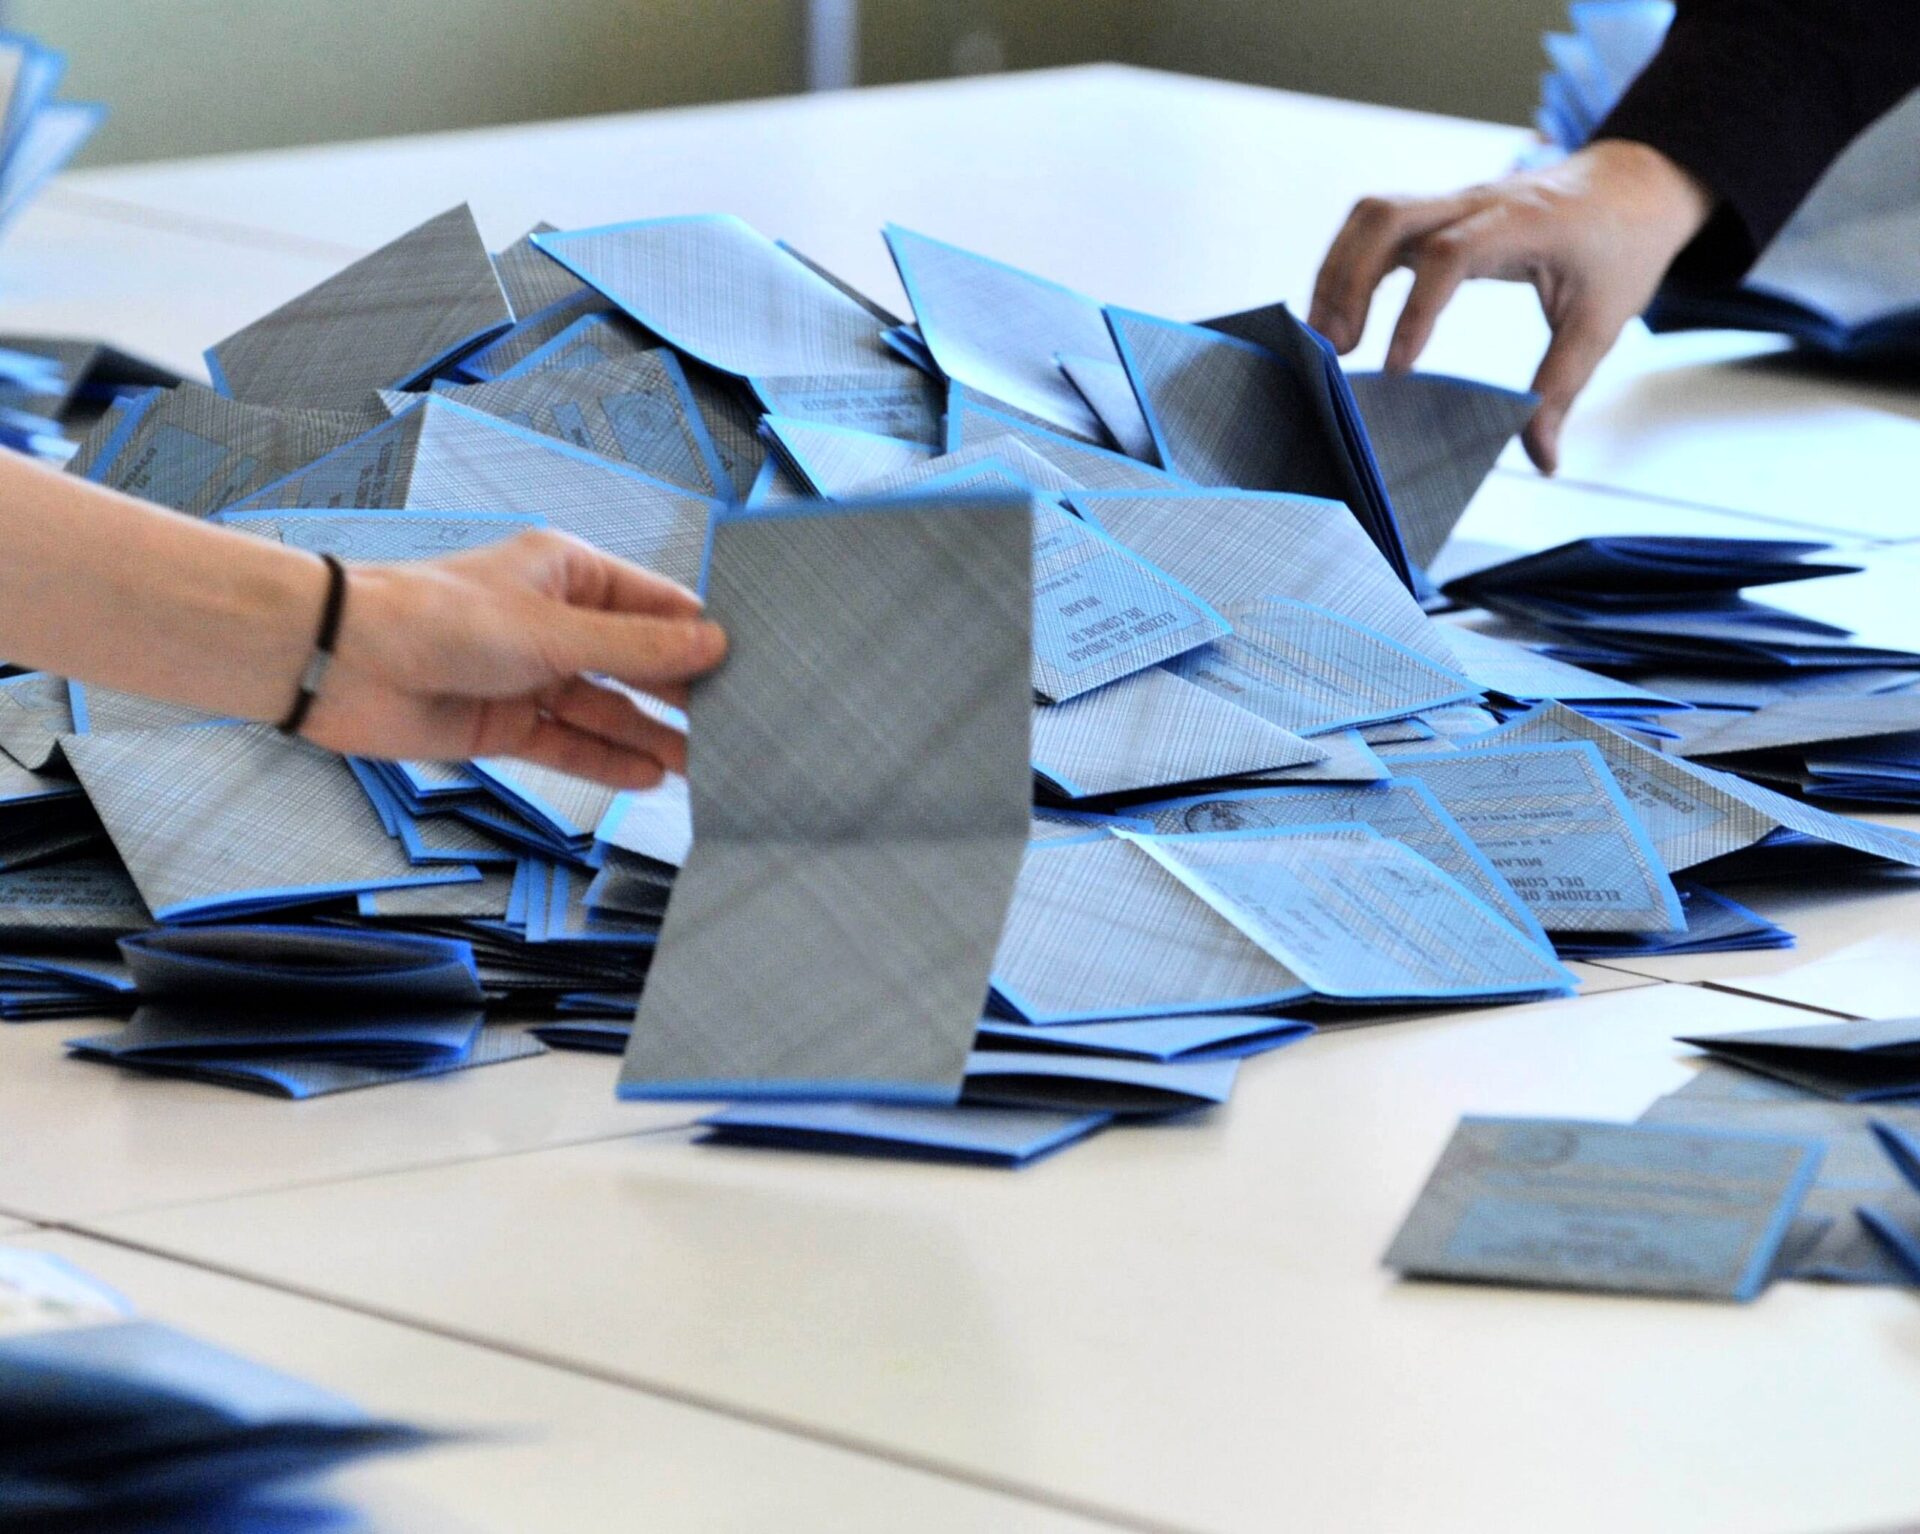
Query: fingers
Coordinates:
[1580,341]
[1473,247]
[657,655]
[564,567]
[552,742]
[1369,246]
[613,617]
[613,717]
[599,580]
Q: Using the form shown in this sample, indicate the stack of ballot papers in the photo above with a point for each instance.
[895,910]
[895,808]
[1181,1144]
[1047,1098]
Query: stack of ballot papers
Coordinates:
[1086,730]
[1672,604]
[302,1011]
[109,1422]
[1864,748]
[1842,276]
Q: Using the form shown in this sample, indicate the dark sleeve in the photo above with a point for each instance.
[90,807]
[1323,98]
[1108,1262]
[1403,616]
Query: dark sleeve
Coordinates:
[1758,97]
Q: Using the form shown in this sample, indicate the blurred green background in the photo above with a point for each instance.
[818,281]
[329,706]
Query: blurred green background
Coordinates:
[202,76]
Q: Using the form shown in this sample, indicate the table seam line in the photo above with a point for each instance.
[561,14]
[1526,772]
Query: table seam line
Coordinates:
[773,1421]
[1656,498]
[1730,988]
[123,211]
[438,1164]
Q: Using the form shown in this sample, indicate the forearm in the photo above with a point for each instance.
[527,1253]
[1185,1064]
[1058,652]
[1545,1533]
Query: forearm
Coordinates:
[103,588]
[1758,97]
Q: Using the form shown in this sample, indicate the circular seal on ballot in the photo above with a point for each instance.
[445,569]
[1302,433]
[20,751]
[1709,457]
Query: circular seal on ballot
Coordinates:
[1219,816]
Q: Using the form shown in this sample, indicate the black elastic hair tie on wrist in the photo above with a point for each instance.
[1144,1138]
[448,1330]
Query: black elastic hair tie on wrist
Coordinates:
[315,674]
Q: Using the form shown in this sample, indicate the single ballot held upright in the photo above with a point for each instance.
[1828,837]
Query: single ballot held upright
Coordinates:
[859,782]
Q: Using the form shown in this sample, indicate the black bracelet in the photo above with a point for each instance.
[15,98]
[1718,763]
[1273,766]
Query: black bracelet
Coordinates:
[315,673]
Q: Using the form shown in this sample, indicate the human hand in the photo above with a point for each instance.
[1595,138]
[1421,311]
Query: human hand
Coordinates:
[1594,234]
[488,653]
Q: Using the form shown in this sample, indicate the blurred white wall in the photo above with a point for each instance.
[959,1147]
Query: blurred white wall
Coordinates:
[200,76]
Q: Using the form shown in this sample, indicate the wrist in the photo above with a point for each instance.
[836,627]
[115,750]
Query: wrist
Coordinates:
[313,676]
[1665,194]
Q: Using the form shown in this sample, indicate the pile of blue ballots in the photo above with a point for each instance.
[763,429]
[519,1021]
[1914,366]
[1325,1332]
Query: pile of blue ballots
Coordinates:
[1781,699]
[1843,275]
[109,1422]
[302,1011]
[1170,752]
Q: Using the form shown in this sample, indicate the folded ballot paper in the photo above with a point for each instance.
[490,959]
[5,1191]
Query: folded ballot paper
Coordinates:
[638,410]
[38,133]
[1554,821]
[1258,402]
[1715,923]
[1629,1208]
[1636,603]
[302,1011]
[1406,811]
[1006,1137]
[1436,438]
[55,389]
[1842,275]
[1695,815]
[437,455]
[387,321]
[198,451]
[859,785]
[1858,1062]
[220,821]
[109,1422]
[1824,747]
[1122,925]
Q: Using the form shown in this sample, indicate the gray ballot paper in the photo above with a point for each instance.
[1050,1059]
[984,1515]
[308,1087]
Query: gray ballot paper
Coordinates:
[858,773]
[1625,1207]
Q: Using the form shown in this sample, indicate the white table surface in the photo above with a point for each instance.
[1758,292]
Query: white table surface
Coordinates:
[1186,1323]
[1184,1326]
[87,1139]
[552,1449]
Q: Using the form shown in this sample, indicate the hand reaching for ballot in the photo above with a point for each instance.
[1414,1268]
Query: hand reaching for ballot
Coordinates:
[1594,235]
[489,653]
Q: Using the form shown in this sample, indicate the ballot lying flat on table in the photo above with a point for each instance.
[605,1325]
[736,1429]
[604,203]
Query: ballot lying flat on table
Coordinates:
[1627,1207]
[1008,1137]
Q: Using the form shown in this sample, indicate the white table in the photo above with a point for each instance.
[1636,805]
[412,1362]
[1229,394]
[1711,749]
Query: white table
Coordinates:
[1183,1327]
[1185,1324]
[553,1449]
